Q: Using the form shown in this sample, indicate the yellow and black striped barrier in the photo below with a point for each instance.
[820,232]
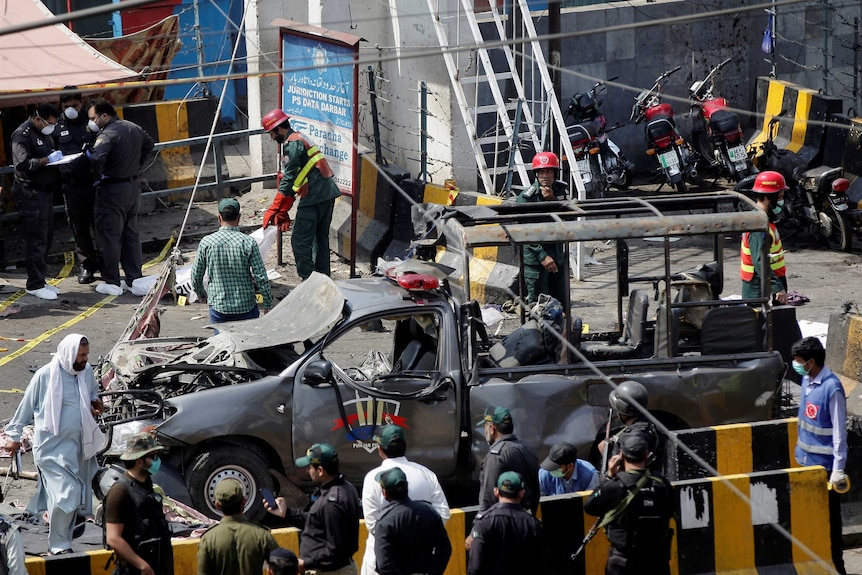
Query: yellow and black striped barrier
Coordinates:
[168,121]
[844,352]
[802,106]
[715,532]
[732,449]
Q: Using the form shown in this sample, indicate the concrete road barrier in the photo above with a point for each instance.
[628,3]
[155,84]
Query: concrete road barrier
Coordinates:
[732,449]
[716,531]
[802,105]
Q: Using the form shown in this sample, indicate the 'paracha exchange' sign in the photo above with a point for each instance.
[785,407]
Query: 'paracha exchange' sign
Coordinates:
[318,92]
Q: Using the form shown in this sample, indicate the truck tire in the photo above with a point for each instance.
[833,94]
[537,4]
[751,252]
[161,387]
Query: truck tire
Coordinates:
[220,462]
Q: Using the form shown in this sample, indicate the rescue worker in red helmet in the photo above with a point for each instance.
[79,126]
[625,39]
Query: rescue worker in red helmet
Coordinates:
[768,193]
[304,173]
[544,264]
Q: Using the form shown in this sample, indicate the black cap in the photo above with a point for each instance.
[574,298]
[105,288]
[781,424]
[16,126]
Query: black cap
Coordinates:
[561,454]
[634,446]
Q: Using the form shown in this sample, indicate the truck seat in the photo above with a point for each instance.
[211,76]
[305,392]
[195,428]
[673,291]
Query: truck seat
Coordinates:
[634,332]
[731,329]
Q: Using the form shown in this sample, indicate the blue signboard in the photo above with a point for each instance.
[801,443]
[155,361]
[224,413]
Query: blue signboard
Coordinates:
[319,96]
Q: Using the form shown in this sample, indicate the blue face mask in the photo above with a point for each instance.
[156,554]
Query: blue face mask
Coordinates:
[778,207]
[799,368]
[155,466]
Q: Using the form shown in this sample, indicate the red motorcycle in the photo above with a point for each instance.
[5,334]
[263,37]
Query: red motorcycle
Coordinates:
[718,134]
[677,161]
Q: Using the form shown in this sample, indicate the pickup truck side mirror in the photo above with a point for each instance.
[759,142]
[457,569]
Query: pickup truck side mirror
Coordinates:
[317,373]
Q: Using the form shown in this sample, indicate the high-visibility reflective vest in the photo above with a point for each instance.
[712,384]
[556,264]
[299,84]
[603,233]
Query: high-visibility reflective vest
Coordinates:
[315,159]
[776,256]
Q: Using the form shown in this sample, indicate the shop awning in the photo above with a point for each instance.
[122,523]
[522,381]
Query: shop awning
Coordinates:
[37,61]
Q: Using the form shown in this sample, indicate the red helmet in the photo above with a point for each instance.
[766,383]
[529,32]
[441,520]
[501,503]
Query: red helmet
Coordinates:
[769,183]
[274,119]
[840,185]
[544,160]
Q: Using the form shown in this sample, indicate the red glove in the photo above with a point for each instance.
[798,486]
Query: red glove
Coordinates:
[282,220]
[281,204]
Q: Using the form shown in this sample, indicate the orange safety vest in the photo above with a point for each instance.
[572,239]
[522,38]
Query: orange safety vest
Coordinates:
[315,159]
[776,256]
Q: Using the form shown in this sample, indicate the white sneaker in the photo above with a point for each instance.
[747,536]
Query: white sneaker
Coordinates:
[54,289]
[108,289]
[125,286]
[43,293]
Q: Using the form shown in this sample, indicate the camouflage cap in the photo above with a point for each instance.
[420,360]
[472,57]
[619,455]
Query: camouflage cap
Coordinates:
[229,491]
[317,455]
[392,480]
[139,445]
[497,416]
[510,483]
[389,436]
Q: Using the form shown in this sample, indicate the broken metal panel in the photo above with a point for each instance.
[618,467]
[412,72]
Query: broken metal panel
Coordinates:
[312,307]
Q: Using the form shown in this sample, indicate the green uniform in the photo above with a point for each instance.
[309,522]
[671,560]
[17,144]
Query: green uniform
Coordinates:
[236,546]
[538,279]
[751,289]
[310,235]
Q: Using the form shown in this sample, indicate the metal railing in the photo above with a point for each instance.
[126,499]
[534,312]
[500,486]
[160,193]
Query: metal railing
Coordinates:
[219,161]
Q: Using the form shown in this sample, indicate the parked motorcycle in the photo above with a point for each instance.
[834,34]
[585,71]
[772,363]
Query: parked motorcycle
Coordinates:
[590,132]
[677,161]
[585,146]
[716,132]
[812,202]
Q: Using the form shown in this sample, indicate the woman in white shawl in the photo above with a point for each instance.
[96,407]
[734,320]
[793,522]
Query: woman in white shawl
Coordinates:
[61,400]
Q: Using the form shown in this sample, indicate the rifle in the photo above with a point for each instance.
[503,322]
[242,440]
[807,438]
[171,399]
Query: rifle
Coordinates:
[603,472]
[588,537]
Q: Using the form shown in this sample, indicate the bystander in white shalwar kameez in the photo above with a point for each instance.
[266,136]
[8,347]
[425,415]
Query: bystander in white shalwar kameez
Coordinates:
[66,439]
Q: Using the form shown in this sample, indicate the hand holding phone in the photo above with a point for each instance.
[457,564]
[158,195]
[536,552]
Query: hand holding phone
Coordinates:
[269,497]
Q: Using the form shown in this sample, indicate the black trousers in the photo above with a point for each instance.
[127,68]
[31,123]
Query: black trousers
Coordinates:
[116,215]
[37,228]
[80,203]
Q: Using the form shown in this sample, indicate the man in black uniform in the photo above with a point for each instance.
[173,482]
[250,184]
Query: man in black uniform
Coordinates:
[409,535]
[636,506]
[506,539]
[135,525]
[622,400]
[73,137]
[507,453]
[330,527]
[33,188]
[120,150]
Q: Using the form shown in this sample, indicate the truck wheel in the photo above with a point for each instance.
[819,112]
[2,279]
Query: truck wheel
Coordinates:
[221,462]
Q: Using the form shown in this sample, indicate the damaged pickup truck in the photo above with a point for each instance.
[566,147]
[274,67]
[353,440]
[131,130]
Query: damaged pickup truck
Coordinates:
[334,360]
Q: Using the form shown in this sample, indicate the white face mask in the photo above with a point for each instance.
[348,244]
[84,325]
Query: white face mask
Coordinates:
[48,129]
[93,126]
[71,113]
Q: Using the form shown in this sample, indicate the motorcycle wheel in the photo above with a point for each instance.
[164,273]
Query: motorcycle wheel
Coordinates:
[841,236]
[625,181]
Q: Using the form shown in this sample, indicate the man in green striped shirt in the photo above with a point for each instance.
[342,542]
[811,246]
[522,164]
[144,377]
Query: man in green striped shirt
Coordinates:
[235,268]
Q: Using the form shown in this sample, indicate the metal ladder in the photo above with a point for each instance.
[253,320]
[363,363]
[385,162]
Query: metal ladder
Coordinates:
[499,112]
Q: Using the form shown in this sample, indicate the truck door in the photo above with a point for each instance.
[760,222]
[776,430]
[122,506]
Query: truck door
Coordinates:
[392,368]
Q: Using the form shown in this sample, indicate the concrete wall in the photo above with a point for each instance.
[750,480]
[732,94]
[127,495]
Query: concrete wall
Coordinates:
[396,29]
